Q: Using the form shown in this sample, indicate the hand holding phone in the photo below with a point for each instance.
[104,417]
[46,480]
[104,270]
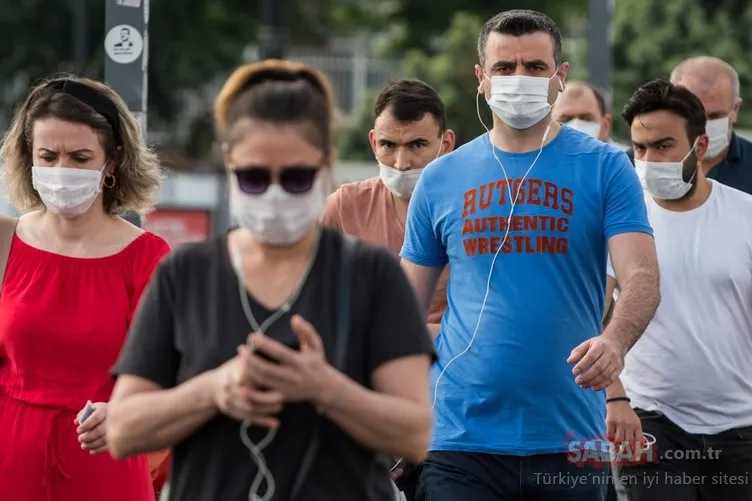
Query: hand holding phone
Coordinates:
[87,411]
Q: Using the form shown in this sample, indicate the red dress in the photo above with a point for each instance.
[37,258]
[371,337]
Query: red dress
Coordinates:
[63,321]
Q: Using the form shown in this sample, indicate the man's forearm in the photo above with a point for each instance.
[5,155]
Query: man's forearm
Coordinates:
[638,300]
[616,390]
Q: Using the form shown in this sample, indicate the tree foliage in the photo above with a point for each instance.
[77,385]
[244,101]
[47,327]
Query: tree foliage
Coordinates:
[449,68]
[425,20]
[192,42]
[651,38]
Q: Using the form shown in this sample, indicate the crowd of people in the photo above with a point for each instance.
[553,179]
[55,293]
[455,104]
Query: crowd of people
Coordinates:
[539,314]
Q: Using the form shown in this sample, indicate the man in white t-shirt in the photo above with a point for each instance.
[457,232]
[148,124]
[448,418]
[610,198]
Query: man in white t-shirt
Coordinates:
[689,377]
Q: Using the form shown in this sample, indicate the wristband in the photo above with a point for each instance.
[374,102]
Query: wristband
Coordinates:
[618,399]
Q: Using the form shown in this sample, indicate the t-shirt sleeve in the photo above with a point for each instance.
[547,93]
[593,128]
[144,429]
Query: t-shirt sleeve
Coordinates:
[396,328]
[624,210]
[423,245]
[152,255]
[149,351]
[330,215]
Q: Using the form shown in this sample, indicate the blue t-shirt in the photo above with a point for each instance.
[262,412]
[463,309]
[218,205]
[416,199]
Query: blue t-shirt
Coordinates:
[513,392]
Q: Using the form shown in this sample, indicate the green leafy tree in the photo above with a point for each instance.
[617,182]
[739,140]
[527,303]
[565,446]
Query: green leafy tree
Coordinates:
[424,20]
[651,38]
[192,42]
[450,70]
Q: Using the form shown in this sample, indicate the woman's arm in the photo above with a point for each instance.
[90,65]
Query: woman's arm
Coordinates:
[395,417]
[143,417]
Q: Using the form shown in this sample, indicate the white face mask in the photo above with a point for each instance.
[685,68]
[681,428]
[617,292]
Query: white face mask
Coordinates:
[277,217]
[520,101]
[665,180]
[67,191]
[718,136]
[401,182]
[592,129]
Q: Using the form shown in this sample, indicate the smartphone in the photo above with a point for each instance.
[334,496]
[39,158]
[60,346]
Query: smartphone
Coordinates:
[87,411]
[293,346]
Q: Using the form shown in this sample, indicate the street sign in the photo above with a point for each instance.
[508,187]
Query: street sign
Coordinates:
[126,67]
[126,47]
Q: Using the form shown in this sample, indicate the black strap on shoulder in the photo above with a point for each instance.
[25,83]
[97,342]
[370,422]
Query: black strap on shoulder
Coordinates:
[340,355]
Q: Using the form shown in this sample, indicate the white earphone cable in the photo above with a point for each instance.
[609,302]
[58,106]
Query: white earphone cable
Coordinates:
[256,450]
[503,242]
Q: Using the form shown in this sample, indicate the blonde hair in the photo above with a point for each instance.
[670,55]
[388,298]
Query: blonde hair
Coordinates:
[137,172]
[277,91]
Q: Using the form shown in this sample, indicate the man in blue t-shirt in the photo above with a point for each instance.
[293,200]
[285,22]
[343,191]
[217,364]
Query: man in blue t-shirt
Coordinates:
[525,216]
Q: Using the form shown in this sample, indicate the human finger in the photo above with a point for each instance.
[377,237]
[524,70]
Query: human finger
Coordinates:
[259,397]
[579,352]
[265,421]
[309,338]
[269,375]
[607,379]
[92,436]
[592,355]
[94,420]
[95,445]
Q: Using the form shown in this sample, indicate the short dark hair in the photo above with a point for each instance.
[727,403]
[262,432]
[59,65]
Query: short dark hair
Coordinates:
[409,100]
[520,22]
[280,93]
[660,95]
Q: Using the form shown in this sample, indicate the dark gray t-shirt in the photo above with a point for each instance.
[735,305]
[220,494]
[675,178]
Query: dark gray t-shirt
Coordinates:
[191,320]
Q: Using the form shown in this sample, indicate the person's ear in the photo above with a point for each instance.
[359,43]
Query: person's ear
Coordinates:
[480,75]
[372,141]
[607,124]
[563,72]
[701,148]
[448,142]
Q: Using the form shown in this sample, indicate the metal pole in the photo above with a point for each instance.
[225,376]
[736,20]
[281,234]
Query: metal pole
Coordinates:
[599,43]
[271,33]
[80,39]
[126,66]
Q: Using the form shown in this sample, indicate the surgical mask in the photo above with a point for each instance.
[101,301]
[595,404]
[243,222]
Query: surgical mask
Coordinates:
[401,182]
[718,136]
[520,101]
[67,191]
[277,217]
[592,129]
[665,180]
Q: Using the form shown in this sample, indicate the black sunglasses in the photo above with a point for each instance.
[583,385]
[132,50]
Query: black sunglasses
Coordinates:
[255,180]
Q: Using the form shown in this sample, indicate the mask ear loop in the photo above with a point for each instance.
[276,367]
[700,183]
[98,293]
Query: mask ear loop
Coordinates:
[694,145]
[503,242]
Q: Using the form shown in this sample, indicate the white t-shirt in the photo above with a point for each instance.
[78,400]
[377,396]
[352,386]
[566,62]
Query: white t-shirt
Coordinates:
[694,361]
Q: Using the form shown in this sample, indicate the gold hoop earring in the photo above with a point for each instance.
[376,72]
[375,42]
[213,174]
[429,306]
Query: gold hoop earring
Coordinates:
[110,177]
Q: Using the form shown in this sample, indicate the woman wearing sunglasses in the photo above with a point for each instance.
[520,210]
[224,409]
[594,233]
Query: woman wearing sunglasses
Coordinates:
[238,358]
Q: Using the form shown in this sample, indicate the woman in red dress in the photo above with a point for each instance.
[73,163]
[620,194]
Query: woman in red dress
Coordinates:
[74,159]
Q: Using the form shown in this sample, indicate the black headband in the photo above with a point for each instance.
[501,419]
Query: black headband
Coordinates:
[93,98]
[284,75]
